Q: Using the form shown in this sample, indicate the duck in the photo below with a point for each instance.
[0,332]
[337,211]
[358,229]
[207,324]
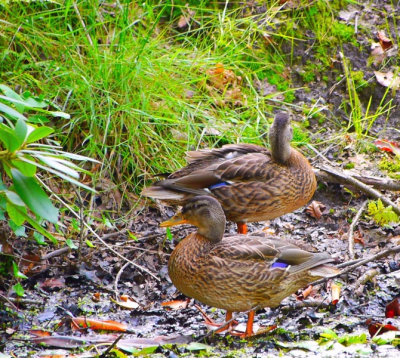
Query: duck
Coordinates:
[238,273]
[251,182]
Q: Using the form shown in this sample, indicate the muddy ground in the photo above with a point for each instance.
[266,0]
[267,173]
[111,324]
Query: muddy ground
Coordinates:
[59,287]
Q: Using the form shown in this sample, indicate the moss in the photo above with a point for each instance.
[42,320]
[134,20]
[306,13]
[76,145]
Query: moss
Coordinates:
[343,32]
[391,167]
[349,166]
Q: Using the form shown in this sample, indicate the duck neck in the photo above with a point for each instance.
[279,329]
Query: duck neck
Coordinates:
[213,230]
[281,150]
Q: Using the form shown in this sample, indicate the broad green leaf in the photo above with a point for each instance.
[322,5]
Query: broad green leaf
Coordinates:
[9,139]
[25,168]
[71,244]
[63,176]
[55,164]
[14,214]
[18,229]
[14,198]
[39,238]
[21,103]
[196,346]
[3,201]
[10,94]
[17,272]
[18,289]
[21,130]
[11,112]
[38,227]
[60,114]
[39,133]
[38,119]
[34,196]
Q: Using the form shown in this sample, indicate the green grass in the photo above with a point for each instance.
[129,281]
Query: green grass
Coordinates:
[124,73]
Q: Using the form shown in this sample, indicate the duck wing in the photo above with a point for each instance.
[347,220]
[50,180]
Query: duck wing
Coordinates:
[273,251]
[209,170]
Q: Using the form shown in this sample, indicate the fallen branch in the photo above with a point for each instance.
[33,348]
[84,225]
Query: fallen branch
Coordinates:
[305,304]
[351,230]
[378,256]
[346,179]
[377,183]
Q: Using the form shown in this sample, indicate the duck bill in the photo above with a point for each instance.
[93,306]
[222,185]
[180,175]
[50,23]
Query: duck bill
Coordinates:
[175,220]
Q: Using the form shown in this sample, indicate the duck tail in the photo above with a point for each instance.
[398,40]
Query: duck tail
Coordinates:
[324,271]
[158,192]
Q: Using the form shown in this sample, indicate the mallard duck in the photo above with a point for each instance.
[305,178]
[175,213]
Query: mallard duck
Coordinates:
[241,272]
[251,182]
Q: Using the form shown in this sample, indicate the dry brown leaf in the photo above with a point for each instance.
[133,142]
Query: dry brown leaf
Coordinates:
[305,293]
[220,78]
[384,41]
[358,237]
[315,209]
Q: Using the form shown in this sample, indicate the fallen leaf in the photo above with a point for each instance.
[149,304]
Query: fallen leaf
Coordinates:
[96,324]
[176,305]
[393,309]
[358,237]
[377,53]
[305,293]
[388,146]
[388,79]
[376,328]
[128,304]
[315,209]
[335,292]
[384,41]
[53,283]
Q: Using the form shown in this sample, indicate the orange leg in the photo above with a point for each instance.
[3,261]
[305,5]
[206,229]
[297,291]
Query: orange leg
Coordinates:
[230,325]
[209,321]
[242,228]
[249,328]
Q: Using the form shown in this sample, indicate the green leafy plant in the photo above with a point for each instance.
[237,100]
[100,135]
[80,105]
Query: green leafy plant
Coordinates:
[329,337]
[380,214]
[26,146]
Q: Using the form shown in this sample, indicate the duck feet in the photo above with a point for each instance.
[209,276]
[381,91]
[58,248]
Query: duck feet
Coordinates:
[224,327]
[249,328]
[242,228]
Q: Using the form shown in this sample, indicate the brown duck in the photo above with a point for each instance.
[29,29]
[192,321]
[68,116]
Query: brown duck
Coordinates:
[251,182]
[241,272]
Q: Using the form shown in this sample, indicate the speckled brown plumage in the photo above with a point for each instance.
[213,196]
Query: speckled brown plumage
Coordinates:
[251,182]
[235,274]
[240,272]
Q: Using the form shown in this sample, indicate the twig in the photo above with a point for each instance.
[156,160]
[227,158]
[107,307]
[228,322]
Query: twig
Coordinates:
[20,300]
[367,276]
[108,350]
[361,263]
[117,279]
[305,304]
[377,183]
[349,263]
[361,186]
[351,230]
[55,253]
